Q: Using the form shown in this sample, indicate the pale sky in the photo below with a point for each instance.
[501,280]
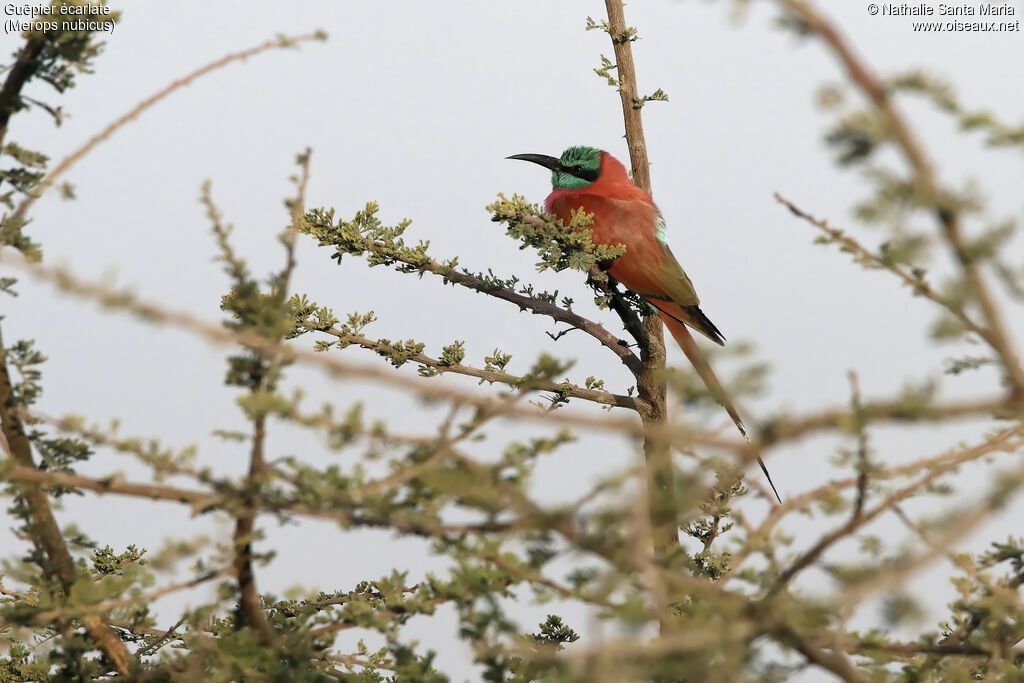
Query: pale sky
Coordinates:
[415,105]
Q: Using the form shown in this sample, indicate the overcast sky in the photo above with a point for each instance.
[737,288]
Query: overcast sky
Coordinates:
[415,105]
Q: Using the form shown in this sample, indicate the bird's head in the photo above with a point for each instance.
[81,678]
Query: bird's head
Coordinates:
[577,168]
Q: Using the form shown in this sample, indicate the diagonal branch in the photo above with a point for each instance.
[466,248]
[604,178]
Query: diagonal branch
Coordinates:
[916,282]
[924,177]
[1007,440]
[526,303]
[59,565]
[568,390]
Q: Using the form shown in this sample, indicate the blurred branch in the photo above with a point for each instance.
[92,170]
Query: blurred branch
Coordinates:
[949,216]
[50,616]
[651,388]
[769,434]
[913,280]
[857,517]
[59,566]
[901,409]
[1003,441]
[205,501]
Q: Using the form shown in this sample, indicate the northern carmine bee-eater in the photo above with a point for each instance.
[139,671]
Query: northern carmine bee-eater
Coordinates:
[596,182]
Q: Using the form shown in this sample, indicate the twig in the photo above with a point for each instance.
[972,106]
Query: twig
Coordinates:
[1002,441]
[525,303]
[502,377]
[159,642]
[916,282]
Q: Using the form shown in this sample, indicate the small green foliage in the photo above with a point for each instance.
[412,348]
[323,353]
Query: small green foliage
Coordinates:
[605,72]
[658,95]
[627,36]
[943,96]
[105,561]
[25,176]
[545,369]
[23,357]
[399,352]
[497,361]
[366,235]
[555,633]
[856,136]
[559,247]
[308,316]
[59,453]
[900,608]
[453,354]
[55,56]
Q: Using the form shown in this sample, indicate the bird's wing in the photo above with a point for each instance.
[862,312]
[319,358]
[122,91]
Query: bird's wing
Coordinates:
[648,267]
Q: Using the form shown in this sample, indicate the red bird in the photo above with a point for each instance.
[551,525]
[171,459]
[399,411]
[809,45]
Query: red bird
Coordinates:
[595,181]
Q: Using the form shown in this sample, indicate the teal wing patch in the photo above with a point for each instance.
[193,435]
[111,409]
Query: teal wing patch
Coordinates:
[661,230]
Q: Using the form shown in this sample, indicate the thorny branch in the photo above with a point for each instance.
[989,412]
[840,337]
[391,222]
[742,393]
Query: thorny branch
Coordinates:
[650,380]
[501,377]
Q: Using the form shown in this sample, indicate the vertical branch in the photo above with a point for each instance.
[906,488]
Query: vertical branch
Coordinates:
[621,39]
[298,208]
[862,446]
[58,565]
[650,379]
[250,608]
[23,69]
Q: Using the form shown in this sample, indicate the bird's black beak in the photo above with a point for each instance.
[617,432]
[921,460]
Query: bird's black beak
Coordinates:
[552,163]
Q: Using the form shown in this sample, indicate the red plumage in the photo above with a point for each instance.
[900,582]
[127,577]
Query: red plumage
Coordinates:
[625,214]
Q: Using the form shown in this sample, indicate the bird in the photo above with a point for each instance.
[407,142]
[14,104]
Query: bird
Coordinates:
[593,180]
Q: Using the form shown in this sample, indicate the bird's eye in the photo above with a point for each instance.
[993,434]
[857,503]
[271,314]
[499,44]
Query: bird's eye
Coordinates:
[578,168]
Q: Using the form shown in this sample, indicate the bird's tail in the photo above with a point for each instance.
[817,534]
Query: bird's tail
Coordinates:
[700,363]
